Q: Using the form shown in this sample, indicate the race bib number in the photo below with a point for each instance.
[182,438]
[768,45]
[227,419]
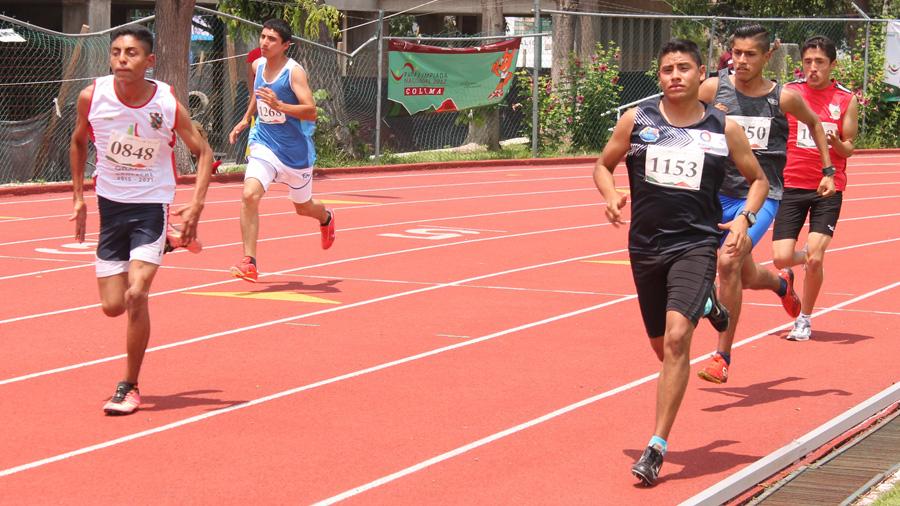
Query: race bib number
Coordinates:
[269,115]
[804,136]
[673,167]
[756,128]
[130,151]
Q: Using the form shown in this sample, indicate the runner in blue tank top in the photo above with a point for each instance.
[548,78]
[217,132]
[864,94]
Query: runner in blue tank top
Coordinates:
[759,106]
[281,142]
[676,149]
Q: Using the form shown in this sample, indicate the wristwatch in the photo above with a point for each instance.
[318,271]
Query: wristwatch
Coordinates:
[828,171]
[750,215]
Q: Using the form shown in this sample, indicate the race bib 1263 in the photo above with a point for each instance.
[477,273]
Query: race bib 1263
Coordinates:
[130,151]
[680,168]
[804,136]
[756,128]
[269,115]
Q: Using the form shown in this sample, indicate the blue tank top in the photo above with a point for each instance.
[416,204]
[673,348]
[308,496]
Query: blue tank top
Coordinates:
[289,138]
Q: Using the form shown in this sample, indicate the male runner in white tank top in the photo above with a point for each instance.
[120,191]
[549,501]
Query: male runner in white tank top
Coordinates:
[281,142]
[132,122]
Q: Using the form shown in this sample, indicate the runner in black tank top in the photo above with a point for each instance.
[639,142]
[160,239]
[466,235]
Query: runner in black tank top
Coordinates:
[676,148]
[759,106]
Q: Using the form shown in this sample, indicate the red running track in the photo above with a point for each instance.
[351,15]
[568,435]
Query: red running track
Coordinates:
[471,338]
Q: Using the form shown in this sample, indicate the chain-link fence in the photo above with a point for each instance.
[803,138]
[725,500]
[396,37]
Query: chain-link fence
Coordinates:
[613,64]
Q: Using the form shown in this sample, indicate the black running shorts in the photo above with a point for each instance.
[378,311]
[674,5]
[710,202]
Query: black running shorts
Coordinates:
[797,203]
[127,227]
[678,281]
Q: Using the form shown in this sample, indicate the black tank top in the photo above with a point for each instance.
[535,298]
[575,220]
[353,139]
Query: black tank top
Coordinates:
[675,174]
[766,127]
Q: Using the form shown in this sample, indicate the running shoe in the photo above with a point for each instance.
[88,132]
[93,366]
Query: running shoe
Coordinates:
[716,371]
[802,330]
[789,300]
[125,401]
[327,231]
[245,269]
[718,315]
[173,241]
[647,467]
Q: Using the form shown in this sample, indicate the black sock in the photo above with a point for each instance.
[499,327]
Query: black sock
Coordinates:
[782,288]
[252,260]
[328,220]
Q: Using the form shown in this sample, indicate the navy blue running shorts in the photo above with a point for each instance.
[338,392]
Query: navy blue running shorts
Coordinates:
[797,203]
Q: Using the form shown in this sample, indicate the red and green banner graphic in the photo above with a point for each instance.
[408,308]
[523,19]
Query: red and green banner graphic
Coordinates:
[441,79]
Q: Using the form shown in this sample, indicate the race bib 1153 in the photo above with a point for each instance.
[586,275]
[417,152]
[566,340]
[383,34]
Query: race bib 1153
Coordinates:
[680,168]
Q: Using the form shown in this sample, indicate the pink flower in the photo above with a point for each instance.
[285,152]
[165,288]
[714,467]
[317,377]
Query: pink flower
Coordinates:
[614,80]
[579,98]
[569,120]
[798,73]
[617,55]
[602,67]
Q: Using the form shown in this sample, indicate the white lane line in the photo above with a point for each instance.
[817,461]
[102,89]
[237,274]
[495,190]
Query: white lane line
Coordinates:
[562,411]
[453,336]
[46,271]
[364,206]
[335,309]
[286,393]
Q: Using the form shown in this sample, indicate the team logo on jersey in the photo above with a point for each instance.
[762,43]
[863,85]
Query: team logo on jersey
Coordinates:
[705,136]
[155,120]
[649,134]
[835,111]
[772,100]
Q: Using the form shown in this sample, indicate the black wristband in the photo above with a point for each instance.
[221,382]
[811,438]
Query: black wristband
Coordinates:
[828,171]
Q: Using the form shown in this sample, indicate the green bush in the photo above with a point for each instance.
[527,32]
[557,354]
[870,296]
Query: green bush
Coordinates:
[574,115]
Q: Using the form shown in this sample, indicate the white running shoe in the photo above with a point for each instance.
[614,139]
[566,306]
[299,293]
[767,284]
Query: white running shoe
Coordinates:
[801,331]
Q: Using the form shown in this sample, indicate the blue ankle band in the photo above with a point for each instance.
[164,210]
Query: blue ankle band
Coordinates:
[659,443]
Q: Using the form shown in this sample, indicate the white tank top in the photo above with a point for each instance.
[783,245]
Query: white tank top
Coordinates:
[135,157]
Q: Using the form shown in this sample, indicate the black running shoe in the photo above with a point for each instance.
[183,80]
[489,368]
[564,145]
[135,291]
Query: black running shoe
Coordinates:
[647,467]
[718,315]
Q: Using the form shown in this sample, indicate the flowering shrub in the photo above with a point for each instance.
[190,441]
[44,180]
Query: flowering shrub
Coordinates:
[571,114]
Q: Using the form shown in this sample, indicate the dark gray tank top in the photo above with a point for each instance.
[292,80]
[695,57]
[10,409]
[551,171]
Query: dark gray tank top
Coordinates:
[767,129]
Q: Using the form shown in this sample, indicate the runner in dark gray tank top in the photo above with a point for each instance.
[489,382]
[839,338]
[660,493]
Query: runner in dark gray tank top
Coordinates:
[759,106]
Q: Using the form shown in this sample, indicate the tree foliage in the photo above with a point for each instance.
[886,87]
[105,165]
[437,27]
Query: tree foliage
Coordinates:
[306,17]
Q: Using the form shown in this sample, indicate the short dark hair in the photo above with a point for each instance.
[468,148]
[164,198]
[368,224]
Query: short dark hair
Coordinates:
[757,32]
[820,42]
[141,33]
[680,46]
[281,28]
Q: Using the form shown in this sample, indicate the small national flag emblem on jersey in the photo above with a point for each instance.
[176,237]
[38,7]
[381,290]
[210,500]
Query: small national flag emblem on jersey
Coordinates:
[649,134]
[155,120]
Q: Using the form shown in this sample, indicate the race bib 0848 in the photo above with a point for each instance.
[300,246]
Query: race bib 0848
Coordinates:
[756,128]
[680,168]
[804,136]
[130,151]
[269,115]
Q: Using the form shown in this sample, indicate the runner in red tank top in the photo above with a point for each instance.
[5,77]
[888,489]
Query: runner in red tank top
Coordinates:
[809,190]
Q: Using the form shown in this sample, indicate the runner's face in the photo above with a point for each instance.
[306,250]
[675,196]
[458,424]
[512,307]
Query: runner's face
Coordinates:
[679,76]
[817,67]
[270,43]
[749,59]
[128,59]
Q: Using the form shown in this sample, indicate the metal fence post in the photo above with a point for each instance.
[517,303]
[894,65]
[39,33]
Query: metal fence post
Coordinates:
[379,33]
[865,85]
[712,41]
[535,87]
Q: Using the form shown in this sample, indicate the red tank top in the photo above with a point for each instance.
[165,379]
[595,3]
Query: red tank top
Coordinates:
[804,167]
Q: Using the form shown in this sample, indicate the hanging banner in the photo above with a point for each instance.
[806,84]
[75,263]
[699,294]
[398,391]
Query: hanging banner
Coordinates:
[892,61]
[440,79]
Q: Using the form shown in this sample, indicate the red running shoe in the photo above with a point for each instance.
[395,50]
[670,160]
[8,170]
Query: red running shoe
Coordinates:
[245,269]
[125,401]
[173,241]
[327,231]
[790,300]
[716,371]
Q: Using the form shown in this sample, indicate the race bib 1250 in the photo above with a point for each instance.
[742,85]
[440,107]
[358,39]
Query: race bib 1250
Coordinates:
[756,128]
